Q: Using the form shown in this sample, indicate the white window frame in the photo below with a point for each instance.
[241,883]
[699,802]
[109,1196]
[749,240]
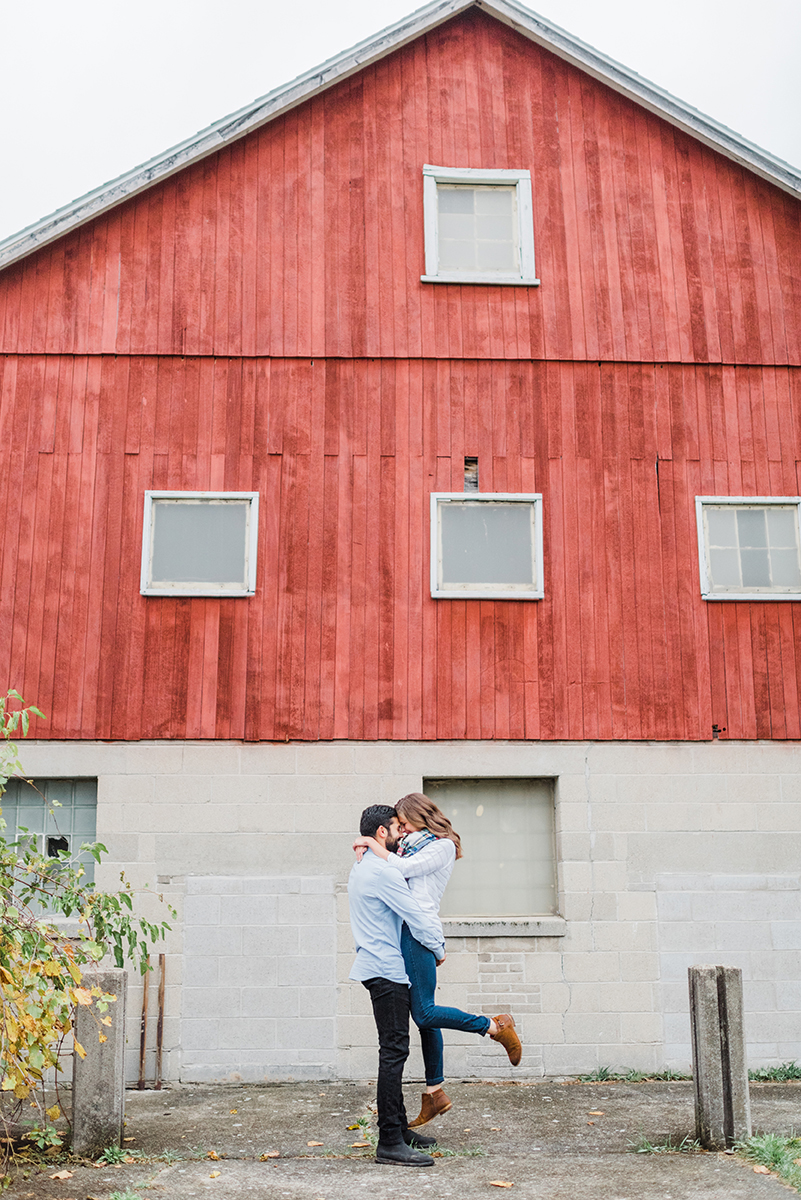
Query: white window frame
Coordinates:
[432,176]
[500,592]
[707,592]
[204,589]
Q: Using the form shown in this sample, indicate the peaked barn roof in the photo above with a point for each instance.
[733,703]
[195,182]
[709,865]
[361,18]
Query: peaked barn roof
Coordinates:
[537,29]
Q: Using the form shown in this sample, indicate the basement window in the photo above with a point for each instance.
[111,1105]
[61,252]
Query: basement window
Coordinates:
[57,815]
[200,543]
[508,872]
[486,546]
[479,226]
[749,547]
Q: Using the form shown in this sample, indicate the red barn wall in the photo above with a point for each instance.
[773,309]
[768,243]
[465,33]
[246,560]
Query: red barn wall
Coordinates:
[305,238]
[342,639]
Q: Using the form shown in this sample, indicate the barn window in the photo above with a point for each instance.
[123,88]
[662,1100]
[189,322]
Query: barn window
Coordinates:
[200,543]
[486,546]
[749,547]
[507,832]
[56,814]
[479,226]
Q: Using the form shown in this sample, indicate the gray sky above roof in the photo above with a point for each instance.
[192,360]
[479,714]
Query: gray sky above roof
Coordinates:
[101,88]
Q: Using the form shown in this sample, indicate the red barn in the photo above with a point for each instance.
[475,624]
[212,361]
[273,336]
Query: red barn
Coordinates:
[433,422]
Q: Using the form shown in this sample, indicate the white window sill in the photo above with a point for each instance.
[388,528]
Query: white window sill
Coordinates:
[504,926]
[751,596]
[504,281]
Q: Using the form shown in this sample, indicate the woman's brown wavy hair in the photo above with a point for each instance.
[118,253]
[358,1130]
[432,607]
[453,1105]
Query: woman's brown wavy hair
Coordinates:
[418,810]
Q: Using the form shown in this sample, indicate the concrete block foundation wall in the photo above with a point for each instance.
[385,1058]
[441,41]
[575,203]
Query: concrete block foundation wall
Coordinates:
[668,854]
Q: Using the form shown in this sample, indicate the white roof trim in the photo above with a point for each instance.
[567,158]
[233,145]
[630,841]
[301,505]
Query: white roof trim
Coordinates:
[279,101]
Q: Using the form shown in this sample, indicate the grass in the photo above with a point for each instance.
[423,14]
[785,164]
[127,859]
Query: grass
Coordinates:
[607,1075]
[788,1070]
[126,1195]
[644,1145]
[781,1155]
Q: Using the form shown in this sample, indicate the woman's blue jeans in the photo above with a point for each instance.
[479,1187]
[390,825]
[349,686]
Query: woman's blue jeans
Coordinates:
[421,967]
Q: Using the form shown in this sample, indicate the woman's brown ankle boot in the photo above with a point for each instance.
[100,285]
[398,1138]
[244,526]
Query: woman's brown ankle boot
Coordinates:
[433,1104]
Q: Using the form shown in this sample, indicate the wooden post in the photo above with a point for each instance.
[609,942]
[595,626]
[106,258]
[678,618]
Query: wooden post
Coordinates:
[160,1026]
[143,1028]
[720,1072]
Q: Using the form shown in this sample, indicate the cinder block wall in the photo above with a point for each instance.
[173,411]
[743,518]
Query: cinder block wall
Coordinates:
[668,854]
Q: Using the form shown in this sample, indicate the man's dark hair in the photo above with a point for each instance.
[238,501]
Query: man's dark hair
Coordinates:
[375,815]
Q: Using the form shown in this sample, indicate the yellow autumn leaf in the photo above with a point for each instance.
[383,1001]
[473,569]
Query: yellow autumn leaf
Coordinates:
[760,1170]
[214,1174]
[500,1183]
[52,968]
[212,1154]
[82,995]
[270,1154]
[101,1037]
[106,1021]
[54,1113]
[62,1175]
[315,1143]
[79,1049]
[74,972]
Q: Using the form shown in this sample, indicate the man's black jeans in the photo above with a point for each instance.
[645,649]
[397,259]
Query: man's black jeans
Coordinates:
[391,1012]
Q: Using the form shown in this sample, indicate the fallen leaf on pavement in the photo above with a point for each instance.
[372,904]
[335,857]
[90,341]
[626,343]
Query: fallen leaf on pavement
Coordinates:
[62,1175]
[595,1112]
[233,1110]
[214,1175]
[500,1183]
[270,1154]
[760,1170]
[495,1129]
[359,1145]
[315,1143]
[131,1139]
[465,1131]
[354,1127]
[212,1154]
[590,1122]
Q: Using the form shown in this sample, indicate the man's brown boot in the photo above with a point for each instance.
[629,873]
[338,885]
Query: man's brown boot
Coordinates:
[433,1104]
[508,1038]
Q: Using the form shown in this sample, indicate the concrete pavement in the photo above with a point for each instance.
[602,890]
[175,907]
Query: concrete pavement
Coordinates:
[560,1140]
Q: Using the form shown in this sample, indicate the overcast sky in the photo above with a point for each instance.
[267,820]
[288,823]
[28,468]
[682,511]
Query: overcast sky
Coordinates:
[92,88]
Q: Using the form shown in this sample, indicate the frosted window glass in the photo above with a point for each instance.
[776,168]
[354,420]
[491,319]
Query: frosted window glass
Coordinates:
[75,821]
[507,832]
[753,548]
[485,542]
[477,228]
[751,527]
[200,541]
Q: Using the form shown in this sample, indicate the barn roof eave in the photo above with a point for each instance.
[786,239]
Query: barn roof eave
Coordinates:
[280,100]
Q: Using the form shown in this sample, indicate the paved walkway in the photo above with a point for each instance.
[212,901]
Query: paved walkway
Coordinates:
[560,1141]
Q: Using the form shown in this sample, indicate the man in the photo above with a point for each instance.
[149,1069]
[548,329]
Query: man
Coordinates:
[380,902]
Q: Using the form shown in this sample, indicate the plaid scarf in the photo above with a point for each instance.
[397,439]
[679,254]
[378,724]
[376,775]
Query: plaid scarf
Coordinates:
[410,843]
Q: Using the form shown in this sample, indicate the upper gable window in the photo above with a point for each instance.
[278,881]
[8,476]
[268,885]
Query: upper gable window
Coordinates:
[749,547]
[486,546]
[200,543]
[479,226]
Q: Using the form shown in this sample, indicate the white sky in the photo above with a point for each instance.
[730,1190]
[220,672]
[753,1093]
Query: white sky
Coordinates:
[92,88]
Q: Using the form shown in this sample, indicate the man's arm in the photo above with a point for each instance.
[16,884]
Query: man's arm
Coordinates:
[396,895]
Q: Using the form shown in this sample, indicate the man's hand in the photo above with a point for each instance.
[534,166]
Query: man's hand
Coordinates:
[440,961]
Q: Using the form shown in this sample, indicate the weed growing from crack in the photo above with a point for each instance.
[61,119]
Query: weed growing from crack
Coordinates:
[644,1145]
[781,1074]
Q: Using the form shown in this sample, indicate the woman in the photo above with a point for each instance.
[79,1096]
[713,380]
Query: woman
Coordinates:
[425,857]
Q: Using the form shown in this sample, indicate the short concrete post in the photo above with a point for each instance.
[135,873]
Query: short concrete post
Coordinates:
[98,1081]
[720,1072]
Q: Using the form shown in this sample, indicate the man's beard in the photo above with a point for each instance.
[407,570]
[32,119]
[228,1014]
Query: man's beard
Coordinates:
[392,844]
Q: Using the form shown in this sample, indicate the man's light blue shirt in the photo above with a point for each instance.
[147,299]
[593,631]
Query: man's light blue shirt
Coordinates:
[380,901]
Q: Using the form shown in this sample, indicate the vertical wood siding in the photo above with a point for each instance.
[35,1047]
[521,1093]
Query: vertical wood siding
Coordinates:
[342,639]
[306,237]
